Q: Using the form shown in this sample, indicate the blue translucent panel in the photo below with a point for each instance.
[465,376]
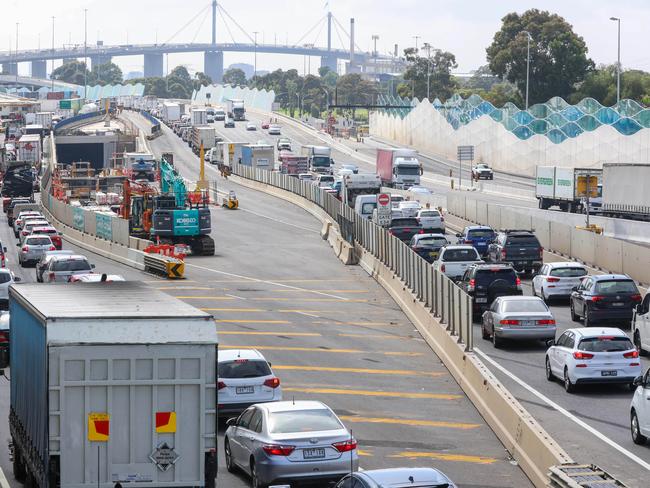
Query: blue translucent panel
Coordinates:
[627,126]
[510,124]
[628,108]
[643,118]
[589,123]
[571,113]
[556,136]
[497,115]
[572,129]
[557,104]
[556,120]
[523,132]
[523,118]
[539,126]
[607,115]
[486,107]
[474,100]
[589,105]
[510,108]
[539,110]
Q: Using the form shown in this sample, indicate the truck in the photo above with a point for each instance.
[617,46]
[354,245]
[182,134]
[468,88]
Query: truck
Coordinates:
[17,181]
[353,185]
[235,109]
[205,135]
[566,188]
[140,165]
[44,119]
[320,159]
[625,191]
[170,112]
[225,153]
[29,148]
[398,168]
[107,390]
[292,164]
[258,156]
[198,116]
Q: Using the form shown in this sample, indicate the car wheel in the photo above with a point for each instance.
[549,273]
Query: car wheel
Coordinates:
[568,386]
[255,481]
[637,343]
[532,286]
[574,316]
[587,321]
[484,333]
[549,372]
[230,466]
[496,341]
[637,436]
[544,297]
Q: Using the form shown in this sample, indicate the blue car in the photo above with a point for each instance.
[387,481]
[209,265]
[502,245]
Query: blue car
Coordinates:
[478,236]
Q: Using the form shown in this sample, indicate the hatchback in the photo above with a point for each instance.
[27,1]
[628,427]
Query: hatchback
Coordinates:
[602,298]
[290,442]
[28,226]
[61,268]
[52,233]
[517,317]
[640,410]
[600,355]
[42,263]
[33,248]
[21,221]
[396,477]
[428,246]
[244,378]
[409,208]
[557,280]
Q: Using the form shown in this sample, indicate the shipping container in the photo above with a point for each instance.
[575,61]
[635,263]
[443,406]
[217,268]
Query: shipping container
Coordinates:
[625,190]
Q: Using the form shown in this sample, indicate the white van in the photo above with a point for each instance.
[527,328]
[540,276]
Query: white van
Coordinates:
[365,204]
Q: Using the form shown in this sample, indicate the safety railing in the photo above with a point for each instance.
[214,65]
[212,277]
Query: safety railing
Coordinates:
[445,300]
[76,119]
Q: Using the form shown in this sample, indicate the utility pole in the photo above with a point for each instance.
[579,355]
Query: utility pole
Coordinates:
[51,77]
[17,55]
[427,47]
[86,54]
[618,62]
[416,42]
[374,38]
[255,49]
[528,39]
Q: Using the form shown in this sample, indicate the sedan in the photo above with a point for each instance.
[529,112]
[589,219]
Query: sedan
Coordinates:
[428,246]
[410,208]
[28,226]
[517,317]
[290,442]
[602,355]
[251,126]
[602,298]
[43,262]
[397,477]
[352,167]
[274,130]
[33,248]
[557,280]
[52,233]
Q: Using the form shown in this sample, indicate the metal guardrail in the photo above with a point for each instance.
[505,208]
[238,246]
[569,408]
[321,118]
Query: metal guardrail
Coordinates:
[581,476]
[446,300]
[76,119]
[169,267]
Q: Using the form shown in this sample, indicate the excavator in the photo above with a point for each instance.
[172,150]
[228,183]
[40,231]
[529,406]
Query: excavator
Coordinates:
[168,216]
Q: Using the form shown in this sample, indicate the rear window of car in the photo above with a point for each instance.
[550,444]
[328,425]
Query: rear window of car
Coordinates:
[457,255]
[568,272]
[522,241]
[432,242]
[303,421]
[38,241]
[524,306]
[610,287]
[44,231]
[243,368]
[5,277]
[479,233]
[71,265]
[429,213]
[605,344]
[487,276]
[404,223]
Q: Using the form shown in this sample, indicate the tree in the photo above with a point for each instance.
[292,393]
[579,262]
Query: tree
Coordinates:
[437,69]
[234,77]
[177,90]
[558,56]
[599,84]
[354,90]
[201,79]
[105,74]
[72,72]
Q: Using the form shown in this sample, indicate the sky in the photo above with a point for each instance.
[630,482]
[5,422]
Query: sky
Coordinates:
[463,27]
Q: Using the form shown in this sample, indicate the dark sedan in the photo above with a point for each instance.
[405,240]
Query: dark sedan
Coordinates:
[404,228]
[428,246]
[605,298]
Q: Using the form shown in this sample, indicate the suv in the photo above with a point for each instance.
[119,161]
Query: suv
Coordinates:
[610,297]
[486,282]
[479,236]
[519,248]
[482,171]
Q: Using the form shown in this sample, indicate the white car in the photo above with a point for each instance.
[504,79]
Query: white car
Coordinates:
[454,260]
[431,219]
[640,410]
[396,199]
[482,171]
[274,130]
[409,208]
[344,172]
[420,190]
[251,126]
[244,378]
[7,279]
[305,177]
[593,355]
[641,327]
[352,167]
[61,268]
[557,280]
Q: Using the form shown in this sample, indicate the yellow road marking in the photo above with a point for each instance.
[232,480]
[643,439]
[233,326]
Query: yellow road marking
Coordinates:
[463,458]
[282,281]
[291,310]
[193,297]
[318,349]
[179,288]
[391,394]
[278,299]
[414,422]
[363,452]
[161,280]
[238,310]
[376,336]
[277,333]
[369,324]
[248,321]
[328,369]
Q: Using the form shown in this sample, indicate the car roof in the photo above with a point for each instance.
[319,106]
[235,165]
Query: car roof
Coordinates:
[403,476]
[69,257]
[605,277]
[493,265]
[598,331]
[459,246]
[37,236]
[232,354]
[566,264]
[410,202]
[288,406]
[519,298]
[479,227]
[428,236]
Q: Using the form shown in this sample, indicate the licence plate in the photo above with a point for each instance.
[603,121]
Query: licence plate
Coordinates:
[244,390]
[433,254]
[617,304]
[481,300]
[527,323]
[313,453]
[608,373]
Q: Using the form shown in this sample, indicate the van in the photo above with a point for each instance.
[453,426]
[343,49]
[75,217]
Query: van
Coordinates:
[365,204]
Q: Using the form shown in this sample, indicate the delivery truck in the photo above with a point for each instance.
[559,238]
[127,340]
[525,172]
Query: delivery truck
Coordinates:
[625,191]
[398,168]
[171,112]
[235,109]
[566,188]
[29,148]
[198,116]
[111,382]
[292,164]
[353,185]
[205,135]
[258,156]
[44,119]
[320,159]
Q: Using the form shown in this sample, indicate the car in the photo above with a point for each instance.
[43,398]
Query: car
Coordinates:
[521,248]
[588,356]
[420,190]
[29,225]
[431,220]
[306,177]
[95,278]
[343,172]
[517,318]
[219,114]
[251,126]
[42,263]
[323,180]
[365,205]
[229,123]
[485,282]
[479,236]
[641,326]
[557,280]
[32,249]
[210,118]
[283,144]
[336,186]
[600,298]
[396,199]
[22,216]
[274,130]
[639,409]
[61,268]
[50,231]
[404,228]
[409,208]
[11,203]
[351,167]
[396,477]
[482,172]
[428,246]
[290,442]
[454,260]
[7,279]
[265,125]
[3,256]
[244,378]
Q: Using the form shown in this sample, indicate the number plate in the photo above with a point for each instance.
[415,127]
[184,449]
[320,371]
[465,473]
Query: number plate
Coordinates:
[608,373]
[527,323]
[313,453]
[244,390]
[617,304]
[433,254]
[481,300]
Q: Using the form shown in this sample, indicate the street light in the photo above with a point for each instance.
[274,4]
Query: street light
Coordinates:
[528,39]
[85,54]
[375,37]
[427,47]
[416,42]
[52,77]
[618,62]
[255,48]
[16,67]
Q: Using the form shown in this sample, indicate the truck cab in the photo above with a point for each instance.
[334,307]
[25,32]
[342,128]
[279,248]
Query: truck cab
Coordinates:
[406,173]
[320,159]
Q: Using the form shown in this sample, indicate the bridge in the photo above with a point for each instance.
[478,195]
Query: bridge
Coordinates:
[357,60]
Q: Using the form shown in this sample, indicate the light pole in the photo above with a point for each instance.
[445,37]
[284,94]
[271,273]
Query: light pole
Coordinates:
[255,49]
[17,56]
[52,77]
[618,62]
[375,37]
[528,39]
[416,42]
[85,53]
[427,47]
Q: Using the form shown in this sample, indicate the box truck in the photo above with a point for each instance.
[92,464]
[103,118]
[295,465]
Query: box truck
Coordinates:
[44,119]
[566,188]
[235,109]
[625,191]
[353,185]
[398,168]
[205,135]
[198,116]
[320,159]
[111,382]
[170,112]
[258,156]
[29,148]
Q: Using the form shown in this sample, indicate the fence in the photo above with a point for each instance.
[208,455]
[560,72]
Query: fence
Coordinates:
[155,123]
[76,119]
[442,296]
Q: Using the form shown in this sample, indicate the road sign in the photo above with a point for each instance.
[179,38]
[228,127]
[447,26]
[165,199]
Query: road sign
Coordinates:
[581,190]
[164,457]
[383,199]
[165,422]
[465,153]
[98,426]
[383,209]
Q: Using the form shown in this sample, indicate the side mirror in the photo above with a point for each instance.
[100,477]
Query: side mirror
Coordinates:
[458,234]
[550,342]
[575,288]
[17,279]
[18,244]
[638,381]
[231,421]
[4,249]
[92,266]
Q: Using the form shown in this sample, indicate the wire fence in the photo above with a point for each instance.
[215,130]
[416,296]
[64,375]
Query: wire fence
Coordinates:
[444,299]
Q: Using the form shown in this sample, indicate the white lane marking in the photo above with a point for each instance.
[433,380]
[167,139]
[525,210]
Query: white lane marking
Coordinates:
[309,314]
[257,280]
[234,296]
[3,480]
[565,412]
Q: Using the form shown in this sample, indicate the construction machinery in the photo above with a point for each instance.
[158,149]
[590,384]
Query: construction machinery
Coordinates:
[230,202]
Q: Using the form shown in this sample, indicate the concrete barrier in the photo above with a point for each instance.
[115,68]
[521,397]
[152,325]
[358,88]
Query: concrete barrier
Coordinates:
[561,238]
[583,245]
[609,253]
[635,261]
[542,231]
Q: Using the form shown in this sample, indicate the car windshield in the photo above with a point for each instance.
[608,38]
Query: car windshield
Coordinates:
[429,213]
[486,276]
[243,368]
[605,344]
[568,272]
[611,287]
[458,255]
[518,241]
[45,231]
[368,207]
[480,233]
[408,170]
[432,242]
[5,277]
[527,306]
[71,265]
[39,241]
[303,421]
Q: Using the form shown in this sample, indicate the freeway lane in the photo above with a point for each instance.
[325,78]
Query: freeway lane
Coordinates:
[333,334]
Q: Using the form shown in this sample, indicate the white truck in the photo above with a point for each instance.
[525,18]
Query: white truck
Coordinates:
[44,119]
[398,168]
[205,135]
[225,153]
[625,191]
[29,148]
[454,260]
[354,185]
[320,159]
[236,109]
[171,112]
[566,188]
[198,116]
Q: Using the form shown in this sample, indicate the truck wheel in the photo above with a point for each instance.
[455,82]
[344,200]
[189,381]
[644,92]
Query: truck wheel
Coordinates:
[19,468]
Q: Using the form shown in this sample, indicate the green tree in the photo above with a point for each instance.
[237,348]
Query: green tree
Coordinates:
[201,79]
[72,72]
[354,90]
[599,84]
[558,56]
[437,69]
[105,74]
[177,90]
[234,77]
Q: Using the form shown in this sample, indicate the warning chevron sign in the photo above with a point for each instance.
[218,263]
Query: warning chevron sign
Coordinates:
[175,269]
[98,426]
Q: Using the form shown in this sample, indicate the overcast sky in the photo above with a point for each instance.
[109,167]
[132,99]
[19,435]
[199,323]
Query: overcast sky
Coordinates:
[464,27]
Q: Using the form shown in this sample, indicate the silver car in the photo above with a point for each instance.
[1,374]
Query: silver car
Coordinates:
[42,263]
[285,442]
[518,317]
[33,248]
[61,268]
[396,477]
[29,225]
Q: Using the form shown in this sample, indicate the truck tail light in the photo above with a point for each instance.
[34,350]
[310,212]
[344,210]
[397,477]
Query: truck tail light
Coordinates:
[278,450]
[467,241]
[4,337]
[272,382]
[472,285]
[345,446]
[518,283]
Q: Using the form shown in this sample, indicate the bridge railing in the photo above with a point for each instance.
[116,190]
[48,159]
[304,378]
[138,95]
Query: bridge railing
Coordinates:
[76,119]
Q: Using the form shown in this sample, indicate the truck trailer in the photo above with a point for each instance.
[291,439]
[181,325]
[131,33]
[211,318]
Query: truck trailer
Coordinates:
[258,156]
[566,188]
[171,112]
[205,135]
[625,191]
[354,185]
[399,168]
[198,116]
[111,382]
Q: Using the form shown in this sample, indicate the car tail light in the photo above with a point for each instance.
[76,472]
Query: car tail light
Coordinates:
[390,231]
[518,283]
[541,253]
[472,284]
[442,268]
[24,232]
[509,322]
[52,276]
[503,254]
[582,355]
[272,382]
[546,322]
[631,355]
[636,298]
[25,249]
[221,385]
[421,231]
[3,260]
[597,298]
[345,446]
[552,279]
[52,248]
[4,337]
[278,450]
